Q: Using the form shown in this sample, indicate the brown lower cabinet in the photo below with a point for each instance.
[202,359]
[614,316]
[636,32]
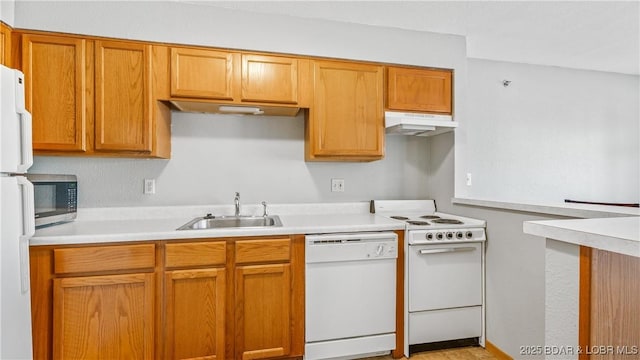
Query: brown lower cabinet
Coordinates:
[609,322]
[231,298]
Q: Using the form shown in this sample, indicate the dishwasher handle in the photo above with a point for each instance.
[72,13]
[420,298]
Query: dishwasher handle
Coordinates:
[446,250]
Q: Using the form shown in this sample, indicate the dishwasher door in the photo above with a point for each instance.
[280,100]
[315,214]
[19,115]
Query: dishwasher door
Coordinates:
[350,285]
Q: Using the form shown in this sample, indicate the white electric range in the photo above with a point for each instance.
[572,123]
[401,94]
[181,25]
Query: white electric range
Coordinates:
[444,274]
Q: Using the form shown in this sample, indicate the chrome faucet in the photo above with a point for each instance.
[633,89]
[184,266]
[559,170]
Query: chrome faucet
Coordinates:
[237,203]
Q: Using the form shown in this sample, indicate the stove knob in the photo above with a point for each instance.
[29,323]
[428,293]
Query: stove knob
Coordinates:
[469,234]
[429,236]
[459,235]
[439,236]
[449,235]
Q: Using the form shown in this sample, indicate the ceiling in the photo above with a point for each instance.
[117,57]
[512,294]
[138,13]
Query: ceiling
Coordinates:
[593,35]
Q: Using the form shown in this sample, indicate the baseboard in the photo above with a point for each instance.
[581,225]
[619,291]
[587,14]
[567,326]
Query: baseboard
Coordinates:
[495,351]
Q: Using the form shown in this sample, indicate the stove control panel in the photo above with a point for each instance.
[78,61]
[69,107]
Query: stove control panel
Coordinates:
[443,235]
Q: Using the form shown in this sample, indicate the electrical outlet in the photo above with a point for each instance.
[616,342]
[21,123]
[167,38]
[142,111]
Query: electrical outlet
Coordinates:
[337,185]
[468,179]
[149,186]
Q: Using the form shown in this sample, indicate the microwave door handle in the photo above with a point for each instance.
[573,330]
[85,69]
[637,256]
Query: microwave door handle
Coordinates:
[447,250]
[28,230]
[26,152]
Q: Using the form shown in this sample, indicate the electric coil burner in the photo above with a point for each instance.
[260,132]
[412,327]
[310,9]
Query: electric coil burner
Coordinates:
[399,217]
[448,221]
[444,275]
[430,217]
[417,222]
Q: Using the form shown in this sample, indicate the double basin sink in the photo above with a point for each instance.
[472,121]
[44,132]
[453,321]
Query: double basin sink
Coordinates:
[217,222]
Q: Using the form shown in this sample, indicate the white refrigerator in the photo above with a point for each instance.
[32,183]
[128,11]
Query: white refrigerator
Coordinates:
[17,221]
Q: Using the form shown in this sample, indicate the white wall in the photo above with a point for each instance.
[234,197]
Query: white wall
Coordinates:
[269,163]
[515,271]
[201,24]
[7,11]
[554,133]
[544,136]
[261,157]
[562,299]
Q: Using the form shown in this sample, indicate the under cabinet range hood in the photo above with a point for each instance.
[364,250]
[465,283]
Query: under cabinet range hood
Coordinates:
[417,123]
[231,109]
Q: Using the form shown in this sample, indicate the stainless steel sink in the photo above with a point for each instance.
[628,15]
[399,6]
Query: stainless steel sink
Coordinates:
[215,222]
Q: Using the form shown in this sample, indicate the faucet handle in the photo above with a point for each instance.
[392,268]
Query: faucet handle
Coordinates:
[237,194]
[264,205]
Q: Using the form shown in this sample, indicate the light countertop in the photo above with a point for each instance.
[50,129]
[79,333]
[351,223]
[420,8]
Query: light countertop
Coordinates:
[620,234]
[610,228]
[584,211]
[160,223]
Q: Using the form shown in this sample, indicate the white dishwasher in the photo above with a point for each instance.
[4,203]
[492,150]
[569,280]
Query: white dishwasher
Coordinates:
[350,295]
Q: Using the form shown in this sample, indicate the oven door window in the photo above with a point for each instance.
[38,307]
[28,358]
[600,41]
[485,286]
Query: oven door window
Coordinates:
[445,276]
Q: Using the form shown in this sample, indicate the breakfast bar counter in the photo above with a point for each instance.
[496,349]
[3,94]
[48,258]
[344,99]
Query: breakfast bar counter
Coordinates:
[591,287]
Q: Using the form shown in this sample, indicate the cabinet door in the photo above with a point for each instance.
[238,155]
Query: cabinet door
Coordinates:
[269,79]
[195,314]
[56,86]
[419,90]
[199,73]
[5,44]
[107,317]
[347,115]
[263,311]
[123,96]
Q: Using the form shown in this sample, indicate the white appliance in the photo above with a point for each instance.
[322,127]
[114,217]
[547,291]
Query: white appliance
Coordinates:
[419,124]
[17,222]
[444,274]
[350,299]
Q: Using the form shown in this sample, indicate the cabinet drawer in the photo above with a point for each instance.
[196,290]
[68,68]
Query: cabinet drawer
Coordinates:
[196,254]
[248,251]
[104,258]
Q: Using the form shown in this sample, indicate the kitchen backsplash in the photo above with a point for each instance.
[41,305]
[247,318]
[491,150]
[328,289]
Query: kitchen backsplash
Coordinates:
[213,156]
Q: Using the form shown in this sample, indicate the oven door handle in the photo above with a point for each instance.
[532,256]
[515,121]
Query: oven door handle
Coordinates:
[447,250]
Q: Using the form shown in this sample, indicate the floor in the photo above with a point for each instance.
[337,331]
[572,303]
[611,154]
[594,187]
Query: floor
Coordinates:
[466,353]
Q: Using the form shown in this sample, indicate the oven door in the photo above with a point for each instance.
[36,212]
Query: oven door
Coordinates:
[445,276]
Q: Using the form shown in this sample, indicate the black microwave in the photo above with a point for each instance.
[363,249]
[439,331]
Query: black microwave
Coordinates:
[55,198]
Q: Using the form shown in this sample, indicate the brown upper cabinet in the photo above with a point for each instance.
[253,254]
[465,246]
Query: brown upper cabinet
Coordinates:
[269,79]
[93,97]
[5,45]
[98,97]
[238,78]
[205,74]
[346,120]
[412,89]
[123,96]
[56,91]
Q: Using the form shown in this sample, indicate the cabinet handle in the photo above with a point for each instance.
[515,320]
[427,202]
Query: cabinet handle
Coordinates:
[447,250]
